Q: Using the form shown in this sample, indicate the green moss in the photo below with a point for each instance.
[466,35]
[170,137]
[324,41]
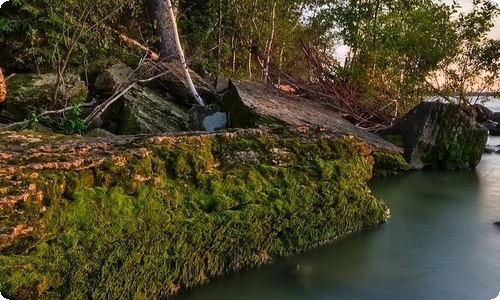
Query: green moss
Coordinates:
[396,139]
[195,208]
[458,145]
[388,163]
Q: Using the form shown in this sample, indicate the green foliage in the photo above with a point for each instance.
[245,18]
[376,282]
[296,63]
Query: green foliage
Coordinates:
[475,65]
[38,35]
[187,212]
[70,122]
[394,46]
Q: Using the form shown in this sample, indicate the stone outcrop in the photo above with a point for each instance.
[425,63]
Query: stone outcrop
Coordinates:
[31,92]
[442,135]
[257,105]
[145,111]
[145,216]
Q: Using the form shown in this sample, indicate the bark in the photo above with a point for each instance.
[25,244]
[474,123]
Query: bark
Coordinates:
[265,71]
[171,14]
[157,10]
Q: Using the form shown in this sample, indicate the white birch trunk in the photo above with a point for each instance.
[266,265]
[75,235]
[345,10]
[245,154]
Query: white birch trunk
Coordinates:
[265,73]
[171,14]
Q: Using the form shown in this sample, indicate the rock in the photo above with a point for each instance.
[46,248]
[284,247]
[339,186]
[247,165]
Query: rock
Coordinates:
[173,79]
[497,224]
[204,118]
[146,111]
[441,135]
[110,79]
[197,114]
[489,150]
[3,87]
[181,204]
[25,126]
[303,274]
[89,73]
[257,105]
[29,92]
[493,127]
[98,132]
[480,113]
[496,117]
[217,121]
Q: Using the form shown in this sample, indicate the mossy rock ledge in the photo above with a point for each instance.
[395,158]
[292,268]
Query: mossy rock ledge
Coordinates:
[143,217]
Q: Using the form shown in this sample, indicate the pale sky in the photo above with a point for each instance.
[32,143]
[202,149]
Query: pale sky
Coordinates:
[467,5]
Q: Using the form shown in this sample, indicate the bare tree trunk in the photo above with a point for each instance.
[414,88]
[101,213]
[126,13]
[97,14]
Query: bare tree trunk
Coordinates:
[171,14]
[164,29]
[265,73]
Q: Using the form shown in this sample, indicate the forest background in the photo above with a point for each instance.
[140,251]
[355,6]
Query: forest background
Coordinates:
[395,52]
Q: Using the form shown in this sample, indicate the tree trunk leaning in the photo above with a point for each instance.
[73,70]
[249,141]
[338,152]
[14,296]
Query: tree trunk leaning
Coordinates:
[171,14]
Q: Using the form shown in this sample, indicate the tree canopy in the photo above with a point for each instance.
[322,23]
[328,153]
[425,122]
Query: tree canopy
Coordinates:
[400,51]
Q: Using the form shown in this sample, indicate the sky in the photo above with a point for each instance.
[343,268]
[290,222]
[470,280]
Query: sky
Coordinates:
[467,5]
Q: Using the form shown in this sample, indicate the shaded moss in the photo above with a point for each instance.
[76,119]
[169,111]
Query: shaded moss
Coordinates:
[396,139]
[388,164]
[195,208]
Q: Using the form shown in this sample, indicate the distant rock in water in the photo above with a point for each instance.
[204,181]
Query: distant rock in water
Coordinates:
[440,135]
[497,224]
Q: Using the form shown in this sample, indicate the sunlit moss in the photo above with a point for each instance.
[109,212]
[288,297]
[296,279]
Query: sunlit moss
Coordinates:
[194,208]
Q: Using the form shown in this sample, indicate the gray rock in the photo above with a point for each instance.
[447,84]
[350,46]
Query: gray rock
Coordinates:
[480,112]
[496,117]
[441,135]
[255,104]
[146,111]
[216,121]
[110,79]
[98,132]
[29,92]
[197,114]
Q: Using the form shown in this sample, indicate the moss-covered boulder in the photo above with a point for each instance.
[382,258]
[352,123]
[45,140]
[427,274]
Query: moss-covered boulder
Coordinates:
[143,217]
[31,92]
[146,111]
[258,105]
[439,135]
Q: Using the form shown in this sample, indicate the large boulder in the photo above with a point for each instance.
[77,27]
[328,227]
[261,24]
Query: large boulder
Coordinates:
[112,78]
[29,92]
[146,111]
[258,105]
[442,135]
[141,217]
[140,110]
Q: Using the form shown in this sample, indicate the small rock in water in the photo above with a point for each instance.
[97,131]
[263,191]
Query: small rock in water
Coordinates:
[497,224]
[302,274]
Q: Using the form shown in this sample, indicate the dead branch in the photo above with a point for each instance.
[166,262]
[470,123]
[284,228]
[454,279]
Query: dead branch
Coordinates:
[130,42]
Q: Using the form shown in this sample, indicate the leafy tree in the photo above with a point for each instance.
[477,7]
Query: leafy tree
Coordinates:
[475,65]
[393,45]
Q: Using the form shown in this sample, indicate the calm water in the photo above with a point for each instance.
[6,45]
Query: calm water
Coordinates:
[440,243]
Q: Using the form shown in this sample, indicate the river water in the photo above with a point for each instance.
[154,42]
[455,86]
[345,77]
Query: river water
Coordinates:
[440,243]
